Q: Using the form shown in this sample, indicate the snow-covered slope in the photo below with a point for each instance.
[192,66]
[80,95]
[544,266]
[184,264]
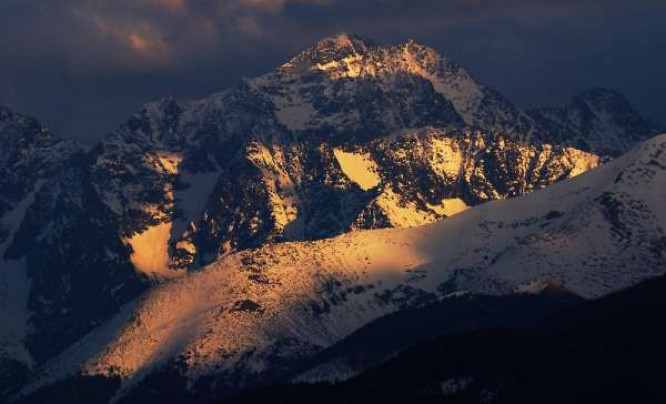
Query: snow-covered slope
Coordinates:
[348,86]
[251,315]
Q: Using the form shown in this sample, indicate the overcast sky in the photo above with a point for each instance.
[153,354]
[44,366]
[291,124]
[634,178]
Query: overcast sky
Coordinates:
[83,66]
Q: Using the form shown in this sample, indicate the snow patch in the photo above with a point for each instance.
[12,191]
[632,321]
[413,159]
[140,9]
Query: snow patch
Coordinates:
[351,66]
[359,168]
[14,314]
[448,157]
[279,184]
[193,199]
[15,289]
[150,250]
[450,207]
[583,161]
[293,112]
[402,213]
[461,90]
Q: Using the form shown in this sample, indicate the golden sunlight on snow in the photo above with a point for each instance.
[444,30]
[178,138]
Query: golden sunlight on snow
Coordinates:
[150,249]
[281,189]
[163,162]
[583,161]
[450,207]
[448,157]
[359,168]
[353,67]
[197,314]
[402,214]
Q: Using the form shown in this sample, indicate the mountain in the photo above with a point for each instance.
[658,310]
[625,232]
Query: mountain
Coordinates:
[605,350]
[324,144]
[254,316]
[384,338]
[266,191]
[346,136]
[31,155]
[54,285]
[601,120]
[398,86]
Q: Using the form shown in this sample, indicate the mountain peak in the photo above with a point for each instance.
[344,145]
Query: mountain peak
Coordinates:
[343,41]
[604,101]
[413,44]
[350,55]
[333,48]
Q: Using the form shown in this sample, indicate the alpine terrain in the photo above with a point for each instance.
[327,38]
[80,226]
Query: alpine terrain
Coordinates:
[207,247]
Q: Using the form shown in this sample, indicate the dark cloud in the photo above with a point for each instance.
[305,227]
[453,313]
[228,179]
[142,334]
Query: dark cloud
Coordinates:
[83,66]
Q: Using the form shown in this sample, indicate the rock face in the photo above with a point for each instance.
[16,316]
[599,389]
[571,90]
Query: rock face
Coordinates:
[199,207]
[30,153]
[29,156]
[396,86]
[345,136]
[63,268]
[598,120]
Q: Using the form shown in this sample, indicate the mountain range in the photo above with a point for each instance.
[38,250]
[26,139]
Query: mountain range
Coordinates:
[222,244]
[605,350]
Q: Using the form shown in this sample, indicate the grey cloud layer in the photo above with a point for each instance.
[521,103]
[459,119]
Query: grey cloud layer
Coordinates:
[83,65]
